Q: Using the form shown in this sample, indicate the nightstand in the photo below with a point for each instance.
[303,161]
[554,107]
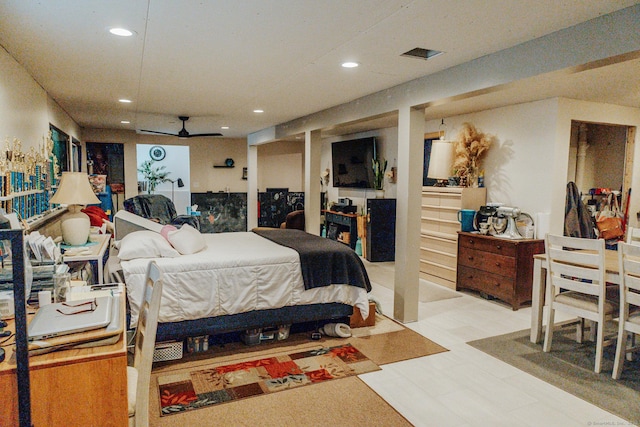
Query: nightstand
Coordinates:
[96,254]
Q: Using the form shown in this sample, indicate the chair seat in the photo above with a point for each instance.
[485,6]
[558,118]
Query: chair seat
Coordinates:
[585,302]
[132,382]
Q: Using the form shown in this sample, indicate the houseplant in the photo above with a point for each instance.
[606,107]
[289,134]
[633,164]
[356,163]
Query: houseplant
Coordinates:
[154,175]
[378,176]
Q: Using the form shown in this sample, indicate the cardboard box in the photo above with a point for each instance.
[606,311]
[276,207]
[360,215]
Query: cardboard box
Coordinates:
[356,320]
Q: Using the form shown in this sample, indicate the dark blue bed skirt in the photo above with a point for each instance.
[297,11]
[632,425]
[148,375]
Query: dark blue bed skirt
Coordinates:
[253,320]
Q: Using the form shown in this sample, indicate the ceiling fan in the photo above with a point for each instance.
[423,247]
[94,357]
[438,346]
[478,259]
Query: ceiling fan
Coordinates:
[183,132]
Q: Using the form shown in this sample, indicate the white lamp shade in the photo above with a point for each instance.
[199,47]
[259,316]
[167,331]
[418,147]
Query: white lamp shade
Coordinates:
[441,159]
[74,189]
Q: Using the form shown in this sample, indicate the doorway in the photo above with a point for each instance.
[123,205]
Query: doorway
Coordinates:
[601,162]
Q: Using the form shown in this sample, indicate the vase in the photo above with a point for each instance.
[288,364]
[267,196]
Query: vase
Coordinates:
[379,194]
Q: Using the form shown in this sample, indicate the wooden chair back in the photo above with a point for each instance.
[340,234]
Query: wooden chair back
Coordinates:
[629,267]
[145,340]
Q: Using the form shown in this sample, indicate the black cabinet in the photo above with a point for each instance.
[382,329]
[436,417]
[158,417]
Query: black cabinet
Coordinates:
[381,230]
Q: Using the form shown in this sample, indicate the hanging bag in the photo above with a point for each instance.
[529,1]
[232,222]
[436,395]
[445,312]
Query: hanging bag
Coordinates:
[609,220]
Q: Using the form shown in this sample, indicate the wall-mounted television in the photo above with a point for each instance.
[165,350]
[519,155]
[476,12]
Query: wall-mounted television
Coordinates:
[351,162]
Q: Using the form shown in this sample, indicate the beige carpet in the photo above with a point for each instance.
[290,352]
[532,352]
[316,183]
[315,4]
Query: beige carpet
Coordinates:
[345,401]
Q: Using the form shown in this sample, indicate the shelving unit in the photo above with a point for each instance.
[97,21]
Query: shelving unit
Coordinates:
[439,230]
[342,223]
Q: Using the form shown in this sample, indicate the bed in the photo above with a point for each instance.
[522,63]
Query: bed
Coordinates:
[242,280]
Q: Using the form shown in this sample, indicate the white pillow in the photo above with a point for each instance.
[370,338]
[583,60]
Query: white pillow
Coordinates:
[187,240]
[145,244]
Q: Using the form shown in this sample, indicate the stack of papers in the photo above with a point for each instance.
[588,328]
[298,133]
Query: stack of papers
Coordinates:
[42,248]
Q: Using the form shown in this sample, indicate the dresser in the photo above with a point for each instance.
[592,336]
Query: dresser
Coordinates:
[439,228]
[501,268]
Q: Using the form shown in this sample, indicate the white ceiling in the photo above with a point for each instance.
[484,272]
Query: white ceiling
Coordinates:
[217,61]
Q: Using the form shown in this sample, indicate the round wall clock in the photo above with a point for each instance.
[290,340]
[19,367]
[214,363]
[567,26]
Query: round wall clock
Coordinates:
[157,153]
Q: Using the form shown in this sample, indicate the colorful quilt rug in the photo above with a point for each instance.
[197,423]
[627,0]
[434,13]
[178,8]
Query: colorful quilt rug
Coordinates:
[212,385]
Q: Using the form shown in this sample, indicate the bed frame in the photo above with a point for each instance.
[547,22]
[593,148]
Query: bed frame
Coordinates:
[289,315]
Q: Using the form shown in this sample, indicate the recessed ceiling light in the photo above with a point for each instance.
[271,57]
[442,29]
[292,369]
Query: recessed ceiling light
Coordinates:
[125,122]
[258,111]
[224,127]
[350,64]
[122,32]
[124,101]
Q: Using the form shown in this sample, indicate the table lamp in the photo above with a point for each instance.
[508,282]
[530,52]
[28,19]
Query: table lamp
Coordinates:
[74,191]
[440,161]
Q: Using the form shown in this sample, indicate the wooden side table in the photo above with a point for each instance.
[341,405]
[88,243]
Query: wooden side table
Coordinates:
[96,255]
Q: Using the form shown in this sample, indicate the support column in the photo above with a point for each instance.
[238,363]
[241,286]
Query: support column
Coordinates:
[582,155]
[408,205]
[312,157]
[252,186]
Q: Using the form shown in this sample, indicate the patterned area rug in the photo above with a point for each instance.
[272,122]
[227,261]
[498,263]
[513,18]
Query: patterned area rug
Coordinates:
[212,385]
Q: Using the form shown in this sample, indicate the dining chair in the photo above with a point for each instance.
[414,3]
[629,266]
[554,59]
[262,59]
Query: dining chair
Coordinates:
[629,321]
[139,375]
[633,236]
[576,285]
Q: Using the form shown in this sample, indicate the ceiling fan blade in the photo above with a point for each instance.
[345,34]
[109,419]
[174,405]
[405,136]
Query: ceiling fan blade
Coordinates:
[204,134]
[155,131]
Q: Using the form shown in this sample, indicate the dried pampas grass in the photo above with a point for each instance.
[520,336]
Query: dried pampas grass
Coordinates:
[470,147]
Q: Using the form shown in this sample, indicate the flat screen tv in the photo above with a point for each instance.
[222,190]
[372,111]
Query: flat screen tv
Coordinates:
[351,162]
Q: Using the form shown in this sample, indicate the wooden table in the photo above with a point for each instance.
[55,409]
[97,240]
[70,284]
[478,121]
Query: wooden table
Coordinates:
[78,387]
[539,284]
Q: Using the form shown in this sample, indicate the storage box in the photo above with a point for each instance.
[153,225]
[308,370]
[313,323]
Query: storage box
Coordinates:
[356,320]
[167,350]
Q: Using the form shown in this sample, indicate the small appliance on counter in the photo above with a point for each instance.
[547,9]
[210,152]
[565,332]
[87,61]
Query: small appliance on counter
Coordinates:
[504,221]
[516,224]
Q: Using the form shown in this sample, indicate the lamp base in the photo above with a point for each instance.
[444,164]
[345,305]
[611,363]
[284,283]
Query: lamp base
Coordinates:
[75,226]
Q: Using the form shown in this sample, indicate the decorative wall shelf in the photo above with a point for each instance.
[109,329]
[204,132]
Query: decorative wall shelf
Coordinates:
[224,166]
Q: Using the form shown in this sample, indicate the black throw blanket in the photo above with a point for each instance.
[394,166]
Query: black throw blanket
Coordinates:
[323,261]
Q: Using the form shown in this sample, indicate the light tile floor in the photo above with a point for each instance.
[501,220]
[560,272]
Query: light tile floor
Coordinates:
[464,386]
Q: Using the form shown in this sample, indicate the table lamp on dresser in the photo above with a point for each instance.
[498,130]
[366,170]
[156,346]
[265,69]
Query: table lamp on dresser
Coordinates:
[74,191]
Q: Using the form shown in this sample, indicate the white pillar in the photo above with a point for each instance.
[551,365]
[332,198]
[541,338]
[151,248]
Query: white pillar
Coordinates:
[252,186]
[582,155]
[408,206]
[312,157]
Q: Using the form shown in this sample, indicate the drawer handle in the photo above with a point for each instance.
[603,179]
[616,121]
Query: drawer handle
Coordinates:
[497,264]
[499,247]
[470,258]
[471,242]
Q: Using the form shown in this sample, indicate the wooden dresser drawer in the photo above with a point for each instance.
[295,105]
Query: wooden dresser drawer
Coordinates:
[487,244]
[493,284]
[487,261]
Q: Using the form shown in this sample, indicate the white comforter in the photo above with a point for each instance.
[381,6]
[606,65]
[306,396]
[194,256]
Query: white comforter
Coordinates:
[236,273]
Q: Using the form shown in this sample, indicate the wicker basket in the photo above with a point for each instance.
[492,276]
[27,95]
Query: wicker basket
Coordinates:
[167,350]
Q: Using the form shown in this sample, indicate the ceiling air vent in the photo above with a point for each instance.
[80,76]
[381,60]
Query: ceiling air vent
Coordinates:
[422,53]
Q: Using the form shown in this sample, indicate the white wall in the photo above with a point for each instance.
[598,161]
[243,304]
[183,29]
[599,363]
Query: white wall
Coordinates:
[517,166]
[26,109]
[387,146]
[176,166]
[528,166]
